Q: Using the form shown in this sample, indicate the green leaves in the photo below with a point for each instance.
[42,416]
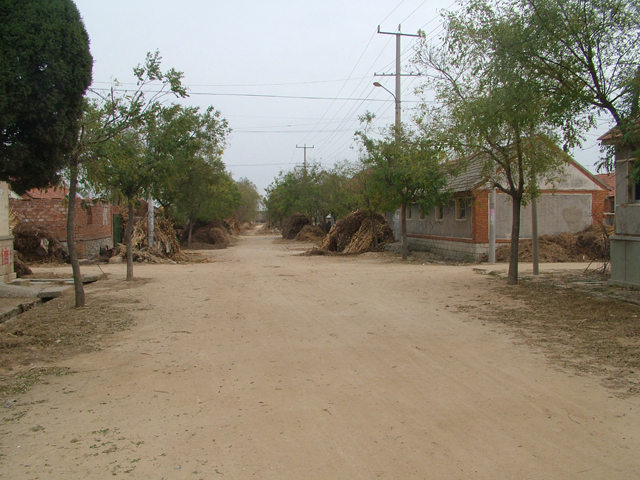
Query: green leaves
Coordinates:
[45,69]
[403,168]
[313,191]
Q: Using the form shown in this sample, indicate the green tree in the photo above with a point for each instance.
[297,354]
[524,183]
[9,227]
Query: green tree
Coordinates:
[491,109]
[191,182]
[103,120]
[312,191]
[404,168]
[45,69]
[250,200]
[587,52]
[206,192]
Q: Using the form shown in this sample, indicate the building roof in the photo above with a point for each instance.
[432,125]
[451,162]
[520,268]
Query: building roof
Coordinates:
[469,176]
[609,179]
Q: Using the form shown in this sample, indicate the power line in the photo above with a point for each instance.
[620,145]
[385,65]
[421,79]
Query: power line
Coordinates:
[261,95]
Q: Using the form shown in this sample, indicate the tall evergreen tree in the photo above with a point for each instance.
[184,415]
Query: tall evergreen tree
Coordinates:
[45,69]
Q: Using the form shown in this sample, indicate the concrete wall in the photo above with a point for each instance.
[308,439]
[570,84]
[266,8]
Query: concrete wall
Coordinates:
[455,249]
[6,239]
[625,261]
[557,213]
[429,225]
[625,244]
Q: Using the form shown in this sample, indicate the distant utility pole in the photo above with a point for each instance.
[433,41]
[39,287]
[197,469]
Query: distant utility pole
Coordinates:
[305,155]
[398,73]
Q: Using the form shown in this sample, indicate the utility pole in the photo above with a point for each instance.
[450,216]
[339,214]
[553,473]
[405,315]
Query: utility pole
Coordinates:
[398,74]
[398,123]
[305,155]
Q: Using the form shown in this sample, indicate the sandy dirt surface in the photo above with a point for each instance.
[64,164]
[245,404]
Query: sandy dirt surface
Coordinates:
[268,365]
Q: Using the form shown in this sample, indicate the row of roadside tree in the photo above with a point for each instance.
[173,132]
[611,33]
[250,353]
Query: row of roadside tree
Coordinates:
[515,84]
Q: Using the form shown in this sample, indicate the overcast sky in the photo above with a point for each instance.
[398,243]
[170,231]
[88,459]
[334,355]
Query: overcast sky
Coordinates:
[284,73]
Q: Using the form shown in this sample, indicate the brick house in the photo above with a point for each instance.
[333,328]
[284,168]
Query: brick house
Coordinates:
[609,179]
[48,209]
[460,229]
[625,243]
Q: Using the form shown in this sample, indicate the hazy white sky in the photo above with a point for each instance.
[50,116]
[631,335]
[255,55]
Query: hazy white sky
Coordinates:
[284,73]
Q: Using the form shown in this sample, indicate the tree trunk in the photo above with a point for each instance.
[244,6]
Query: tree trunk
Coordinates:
[128,233]
[150,220]
[403,230]
[71,241]
[512,278]
[373,228]
[190,232]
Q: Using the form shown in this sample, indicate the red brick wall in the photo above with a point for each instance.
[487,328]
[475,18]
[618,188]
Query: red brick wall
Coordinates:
[91,221]
[480,217]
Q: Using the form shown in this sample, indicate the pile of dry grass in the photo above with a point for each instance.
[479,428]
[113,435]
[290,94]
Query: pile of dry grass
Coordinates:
[293,225]
[19,267]
[214,234]
[310,233]
[166,243]
[590,244]
[37,244]
[234,225]
[354,234]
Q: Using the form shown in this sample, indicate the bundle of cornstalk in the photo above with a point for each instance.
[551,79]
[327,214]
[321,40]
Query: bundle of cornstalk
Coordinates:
[354,234]
[166,248]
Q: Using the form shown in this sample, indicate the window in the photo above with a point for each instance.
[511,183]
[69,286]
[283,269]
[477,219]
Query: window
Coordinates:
[440,212]
[409,210]
[463,206]
[422,215]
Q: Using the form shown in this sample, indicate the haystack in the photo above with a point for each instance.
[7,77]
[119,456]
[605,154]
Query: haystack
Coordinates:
[37,244]
[589,244]
[213,234]
[293,225]
[354,234]
[310,233]
[166,243]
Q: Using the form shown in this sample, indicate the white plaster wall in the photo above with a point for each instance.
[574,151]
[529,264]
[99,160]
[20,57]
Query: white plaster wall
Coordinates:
[4,209]
[6,240]
[557,213]
[572,179]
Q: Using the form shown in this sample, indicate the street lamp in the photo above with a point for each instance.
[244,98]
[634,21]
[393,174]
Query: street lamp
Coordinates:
[398,108]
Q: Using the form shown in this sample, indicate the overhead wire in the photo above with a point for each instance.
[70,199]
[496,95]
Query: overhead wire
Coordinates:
[390,64]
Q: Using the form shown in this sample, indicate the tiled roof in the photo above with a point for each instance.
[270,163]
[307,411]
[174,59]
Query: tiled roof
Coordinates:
[469,176]
[609,179]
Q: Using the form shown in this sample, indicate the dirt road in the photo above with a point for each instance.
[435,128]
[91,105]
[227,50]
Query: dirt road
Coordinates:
[269,365]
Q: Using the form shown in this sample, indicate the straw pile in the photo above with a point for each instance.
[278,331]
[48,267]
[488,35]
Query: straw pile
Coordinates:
[293,225]
[310,233]
[354,234]
[590,244]
[166,245]
[37,244]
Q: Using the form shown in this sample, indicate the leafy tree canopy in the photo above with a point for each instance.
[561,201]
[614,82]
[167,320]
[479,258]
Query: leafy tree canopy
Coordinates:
[45,69]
